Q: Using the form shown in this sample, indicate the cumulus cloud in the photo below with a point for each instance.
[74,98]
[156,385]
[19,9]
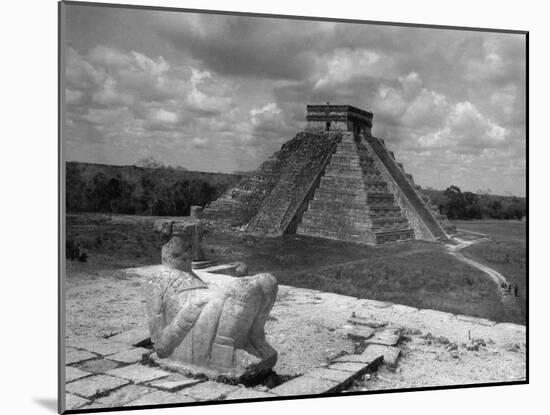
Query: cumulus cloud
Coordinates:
[223,92]
[465,130]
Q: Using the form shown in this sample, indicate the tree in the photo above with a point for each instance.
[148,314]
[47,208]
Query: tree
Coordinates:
[472,208]
[456,206]
[113,192]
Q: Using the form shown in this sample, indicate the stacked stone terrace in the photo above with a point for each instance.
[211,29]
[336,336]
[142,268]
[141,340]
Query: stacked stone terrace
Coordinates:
[334,180]
[352,202]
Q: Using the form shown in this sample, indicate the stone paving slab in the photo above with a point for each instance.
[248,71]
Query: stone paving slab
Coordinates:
[366,321]
[353,358]
[133,336]
[342,377]
[93,405]
[94,385]
[174,382]
[305,385]
[386,337]
[209,391]
[363,332]
[73,373]
[124,395]
[390,353]
[138,373]
[74,402]
[98,365]
[76,356]
[373,355]
[162,397]
[247,393]
[104,348]
[354,367]
[129,356]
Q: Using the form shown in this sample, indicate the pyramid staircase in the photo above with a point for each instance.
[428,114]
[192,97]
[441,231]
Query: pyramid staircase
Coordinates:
[353,201]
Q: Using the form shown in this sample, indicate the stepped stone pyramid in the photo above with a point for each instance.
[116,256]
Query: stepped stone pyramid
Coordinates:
[334,180]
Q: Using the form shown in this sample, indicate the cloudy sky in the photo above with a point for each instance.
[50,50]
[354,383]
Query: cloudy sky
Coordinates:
[222,93]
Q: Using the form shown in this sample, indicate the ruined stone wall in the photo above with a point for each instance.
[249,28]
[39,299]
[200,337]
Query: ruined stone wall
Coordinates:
[300,163]
[264,199]
[425,226]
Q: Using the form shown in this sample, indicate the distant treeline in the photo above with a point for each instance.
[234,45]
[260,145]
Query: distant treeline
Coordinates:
[141,191]
[467,205]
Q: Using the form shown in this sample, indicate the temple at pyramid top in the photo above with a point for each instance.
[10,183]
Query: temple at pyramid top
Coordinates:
[329,117]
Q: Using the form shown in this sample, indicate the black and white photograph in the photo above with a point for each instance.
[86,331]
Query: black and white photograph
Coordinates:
[263,207]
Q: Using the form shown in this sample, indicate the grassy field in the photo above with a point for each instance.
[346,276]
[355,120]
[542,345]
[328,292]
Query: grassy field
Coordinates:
[418,274]
[506,252]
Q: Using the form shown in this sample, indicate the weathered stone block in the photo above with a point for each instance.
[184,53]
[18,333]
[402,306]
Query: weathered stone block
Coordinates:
[129,356]
[72,373]
[124,395]
[385,337]
[363,332]
[74,402]
[103,347]
[374,355]
[138,373]
[174,382]
[353,367]
[76,356]
[210,391]
[342,377]
[91,386]
[390,354]
[133,337]
[161,397]
[305,385]
[353,358]
[98,365]
[248,393]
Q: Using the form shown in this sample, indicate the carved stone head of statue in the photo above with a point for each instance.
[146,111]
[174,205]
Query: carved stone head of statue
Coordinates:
[178,252]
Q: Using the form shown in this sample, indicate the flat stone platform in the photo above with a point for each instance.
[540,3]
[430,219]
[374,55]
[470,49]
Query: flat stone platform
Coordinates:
[316,334]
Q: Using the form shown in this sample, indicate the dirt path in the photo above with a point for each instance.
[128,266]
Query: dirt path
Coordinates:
[454,250]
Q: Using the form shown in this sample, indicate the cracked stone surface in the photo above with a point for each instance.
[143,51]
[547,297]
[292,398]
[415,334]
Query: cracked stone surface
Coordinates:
[73,373]
[308,328]
[162,397]
[305,385]
[129,356]
[94,385]
[98,365]
[247,393]
[124,395]
[338,376]
[138,373]
[76,356]
[390,353]
[103,348]
[353,367]
[174,382]
[74,402]
[209,391]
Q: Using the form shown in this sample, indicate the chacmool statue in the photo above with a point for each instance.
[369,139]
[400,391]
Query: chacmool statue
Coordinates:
[210,329]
